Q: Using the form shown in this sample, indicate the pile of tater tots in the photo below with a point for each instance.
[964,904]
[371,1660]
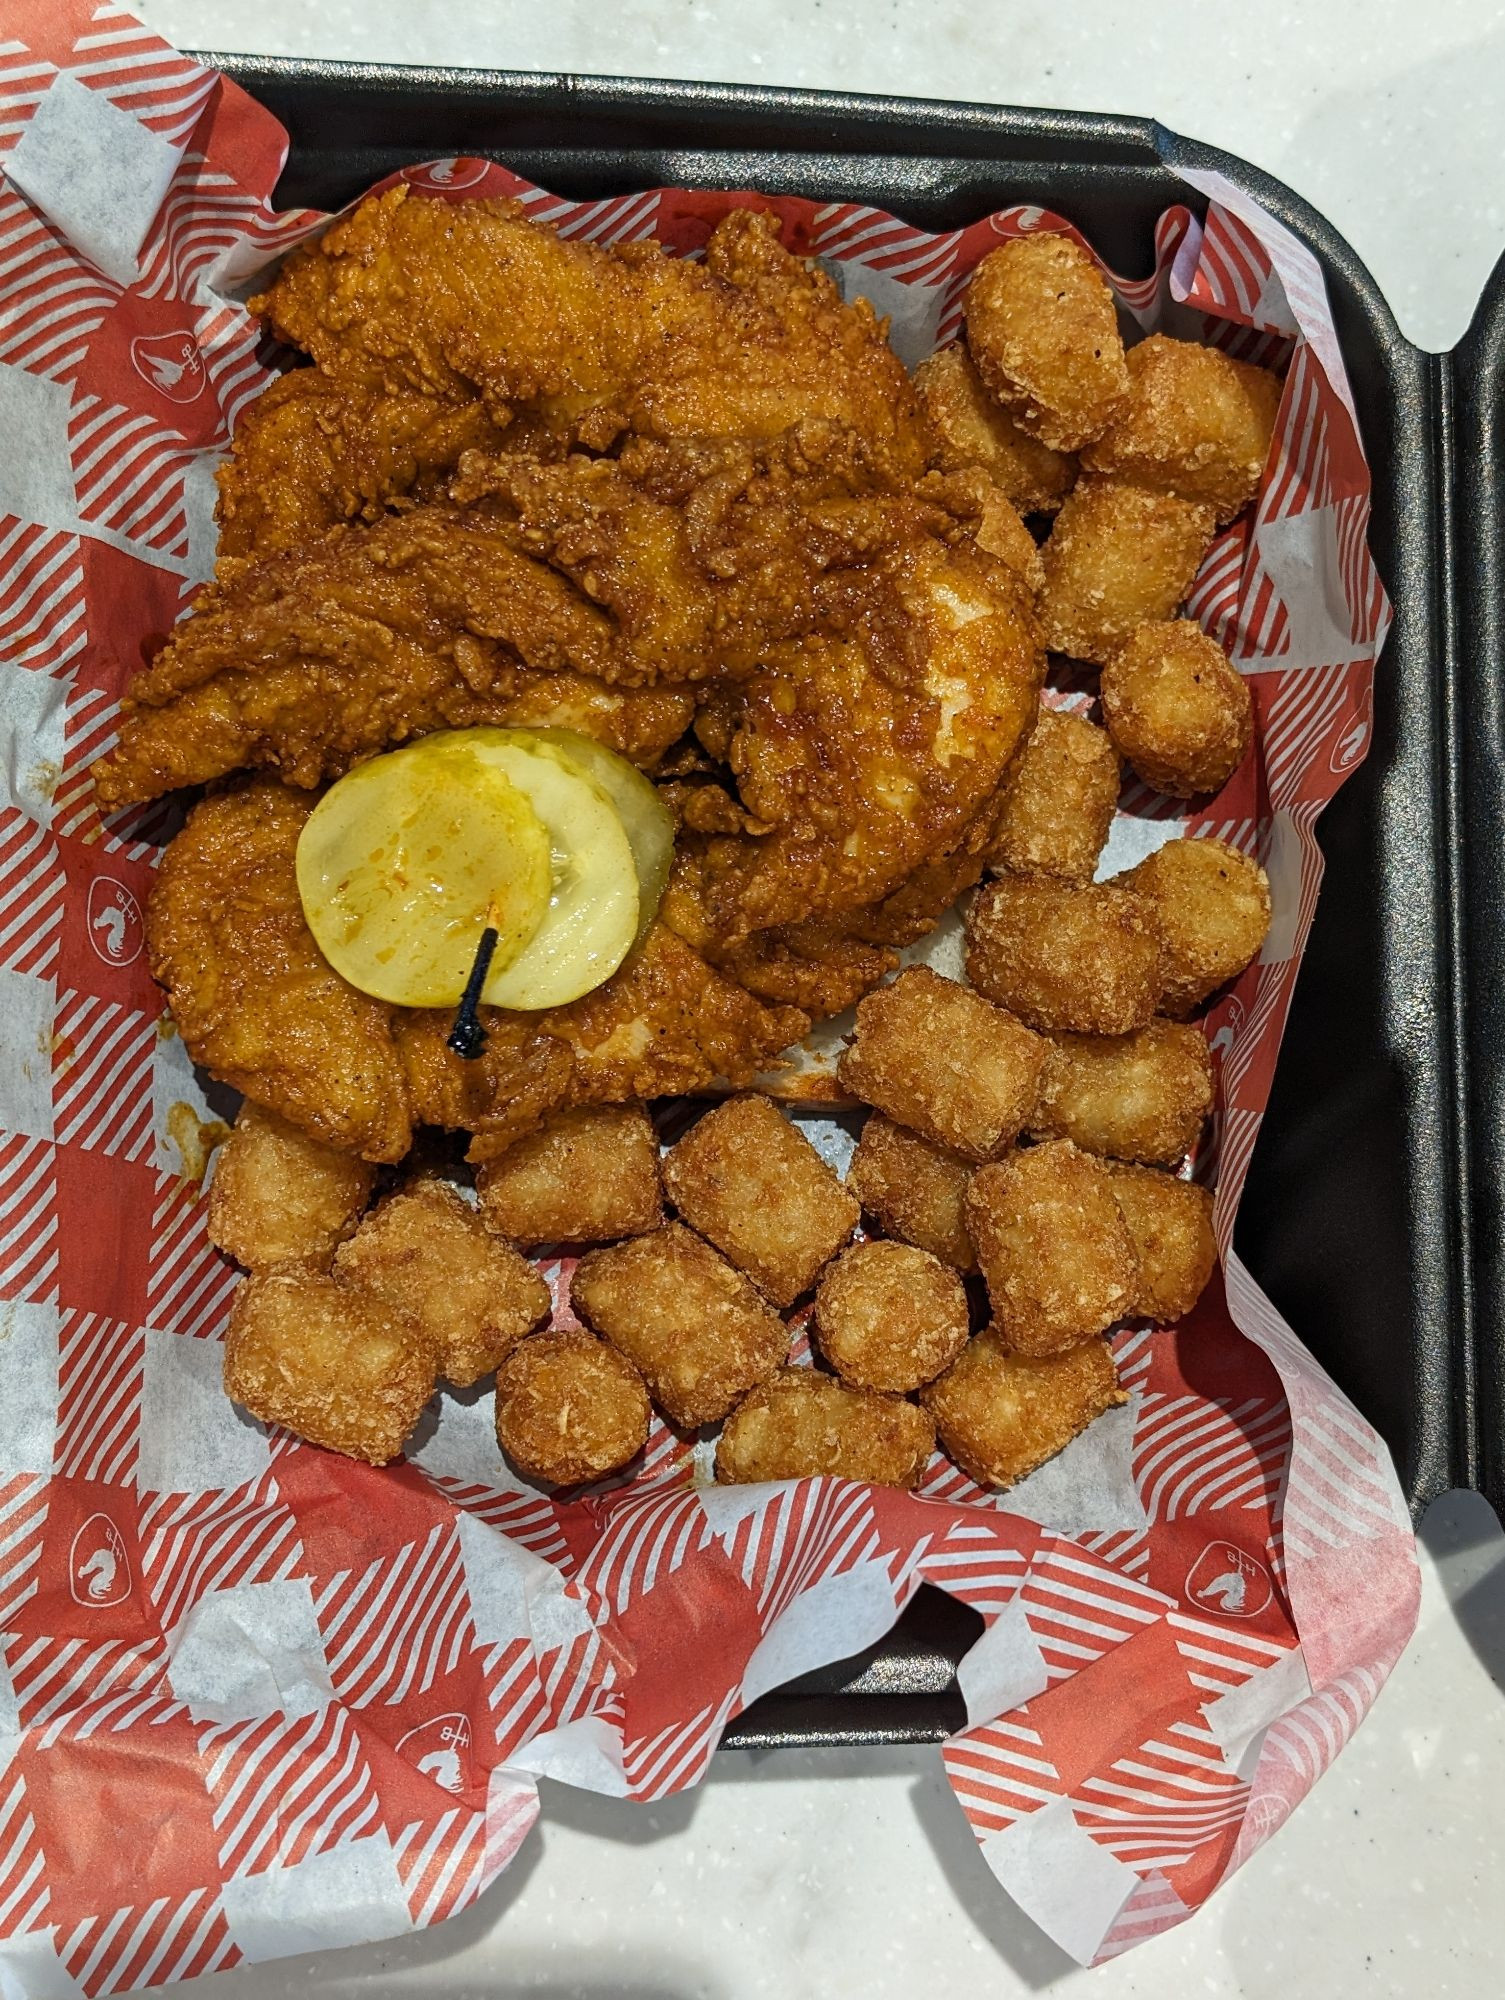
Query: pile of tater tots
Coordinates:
[1018,1187]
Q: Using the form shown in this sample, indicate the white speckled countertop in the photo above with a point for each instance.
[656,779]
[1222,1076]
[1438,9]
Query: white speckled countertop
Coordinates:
[837,1873]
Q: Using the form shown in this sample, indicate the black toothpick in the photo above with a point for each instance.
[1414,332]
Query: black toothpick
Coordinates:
[467,1037]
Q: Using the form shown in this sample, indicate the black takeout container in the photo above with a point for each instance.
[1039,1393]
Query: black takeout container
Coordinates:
[1375,1209]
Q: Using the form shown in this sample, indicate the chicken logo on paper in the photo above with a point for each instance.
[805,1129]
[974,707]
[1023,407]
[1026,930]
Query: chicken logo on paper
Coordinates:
[446,176]
[99,1571]
[440,1748]
[1221,1043]
[171,363]
[114,919]
[1354,741]
[1229,1582]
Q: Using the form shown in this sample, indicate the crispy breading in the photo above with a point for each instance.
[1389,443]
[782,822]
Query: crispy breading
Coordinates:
[570,1408]
[424,1253]
[1117,556]
[1001,1414]
[945,1062]
[1212,905]
[973,428]
[889,1316]
[801,1424]
[699,1331]
[1042,328]
[309,454]
[279,1197]
[1053,1247]
[988,520]
[589,1176]
[1170,1223]
[334,1366]
[1142,1096]
[520,1078]
[448,296]
[1196,424]
[1177,708]
[750,1181]
[915,1188]
[1080,956]
[1059,798]
[252,995]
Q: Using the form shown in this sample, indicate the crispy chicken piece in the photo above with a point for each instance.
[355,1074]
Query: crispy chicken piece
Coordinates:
[254,998]
[279,1197]
[425,1254]
[800,1424]
[451,297]
[570,1408]
[889,1316]
[1001,1414]
[309,454]
[589,1176]
[520,1078]
[308,662]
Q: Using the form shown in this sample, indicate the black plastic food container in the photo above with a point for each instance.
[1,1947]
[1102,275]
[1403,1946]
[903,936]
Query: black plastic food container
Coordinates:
[1375,1209]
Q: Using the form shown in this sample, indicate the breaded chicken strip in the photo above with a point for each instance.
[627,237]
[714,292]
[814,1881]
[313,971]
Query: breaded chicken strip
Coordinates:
[310,453]
[451,297]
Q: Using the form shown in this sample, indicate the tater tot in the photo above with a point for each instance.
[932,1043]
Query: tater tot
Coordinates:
[589,1176]
[973,428]
[915,1188]
[1001,1414]
[801,1423]
[1058,800]
[699,1331]
[941,1060]
[570,1408]
[1196,424]
[335,1366]
[426,1253]
[279,1197]
[888,1316]
[1081,956]
[1141,1097]
[1170,1223]
[1054,1248]
[1213,908]
[1117,556]
[1177,708]
[748,1179]
[1042,328]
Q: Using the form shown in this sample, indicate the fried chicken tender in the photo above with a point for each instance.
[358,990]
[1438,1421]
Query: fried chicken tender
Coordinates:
[1042,328]
[1058,800]
[1143,1096]
[455,297]
[336,1367]
[1177,708]
[589,1176]
[570,1408]
[309,454]
[1001,1414]
[915,1188]
[1117,557]
[1212,906]
[801,1424]
[889,1316]
[1053,1246]
[1079,956]
[973,428]
[1170,1223]
[424,1253]
[1196,424]
[750,1181]
[279,1197]
[943,1061]
[253,997]
[697,1329]
[307,662]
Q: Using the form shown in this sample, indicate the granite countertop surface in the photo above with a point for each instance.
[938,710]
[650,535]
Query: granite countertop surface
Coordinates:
[836,1872]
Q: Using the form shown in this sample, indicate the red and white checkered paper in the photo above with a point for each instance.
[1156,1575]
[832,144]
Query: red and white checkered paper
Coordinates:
[256,1698]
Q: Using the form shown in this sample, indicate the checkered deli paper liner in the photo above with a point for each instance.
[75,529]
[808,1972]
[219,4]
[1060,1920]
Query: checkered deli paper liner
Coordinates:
[258,1699]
